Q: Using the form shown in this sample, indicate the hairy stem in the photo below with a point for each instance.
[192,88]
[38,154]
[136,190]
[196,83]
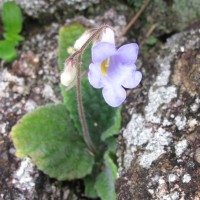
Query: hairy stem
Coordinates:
[95,33]
[93,36]
[78,55]
[86,134]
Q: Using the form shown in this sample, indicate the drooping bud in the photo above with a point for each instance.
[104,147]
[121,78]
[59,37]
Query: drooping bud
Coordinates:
[69,72]
[108,35]
[81,40]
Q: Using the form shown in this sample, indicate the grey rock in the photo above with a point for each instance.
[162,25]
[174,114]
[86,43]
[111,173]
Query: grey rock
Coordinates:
[38,8]
[173,15]
[162,138]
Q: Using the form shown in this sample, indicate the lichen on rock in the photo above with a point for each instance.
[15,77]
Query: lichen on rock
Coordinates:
[159,158]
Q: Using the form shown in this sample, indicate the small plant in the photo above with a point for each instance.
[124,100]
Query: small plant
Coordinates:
[137,4]
[77,138]
[12,23]
[151,41]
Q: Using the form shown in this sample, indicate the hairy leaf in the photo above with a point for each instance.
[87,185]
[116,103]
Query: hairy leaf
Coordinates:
[99,115]
[105,183]
[116,124]
[89,182]
[49,137]
[67,36]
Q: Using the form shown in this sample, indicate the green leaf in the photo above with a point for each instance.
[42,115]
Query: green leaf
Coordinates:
[89,182]
[115,126]
[48,136]
[12,17]
[7,51]
[111,144]
[14,38]
[67,36]
[105,183]
[100,117]
[151,41]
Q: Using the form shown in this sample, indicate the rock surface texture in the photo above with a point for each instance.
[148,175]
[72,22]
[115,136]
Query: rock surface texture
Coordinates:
[24,85]
[159,150]
[42,8]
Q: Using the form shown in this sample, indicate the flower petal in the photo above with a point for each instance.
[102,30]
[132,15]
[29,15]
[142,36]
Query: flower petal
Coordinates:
[94,76]
[108,36]
[114,96]
[102,51]
[118,72]
[128,53]
[132,80]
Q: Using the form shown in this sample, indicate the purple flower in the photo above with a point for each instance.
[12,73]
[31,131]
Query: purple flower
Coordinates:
[113,70]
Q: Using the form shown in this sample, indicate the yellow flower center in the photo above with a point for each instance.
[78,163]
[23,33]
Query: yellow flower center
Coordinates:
[104,65]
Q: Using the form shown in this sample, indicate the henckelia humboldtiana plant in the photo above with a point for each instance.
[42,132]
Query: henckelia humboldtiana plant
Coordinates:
[111,69]
[72,142]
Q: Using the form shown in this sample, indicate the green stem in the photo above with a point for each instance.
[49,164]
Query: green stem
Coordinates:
[86,134]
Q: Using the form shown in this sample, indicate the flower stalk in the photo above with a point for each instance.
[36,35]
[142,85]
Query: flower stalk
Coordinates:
[78,56]
[86,135]
[111,69]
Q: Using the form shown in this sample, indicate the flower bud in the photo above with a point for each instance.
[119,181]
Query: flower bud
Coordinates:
[69,73]
[108,35]
[81,41]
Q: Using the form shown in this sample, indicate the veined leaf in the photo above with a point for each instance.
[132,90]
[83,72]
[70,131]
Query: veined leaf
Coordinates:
[67,36]
[105,183]
[90,190]
[48,136]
